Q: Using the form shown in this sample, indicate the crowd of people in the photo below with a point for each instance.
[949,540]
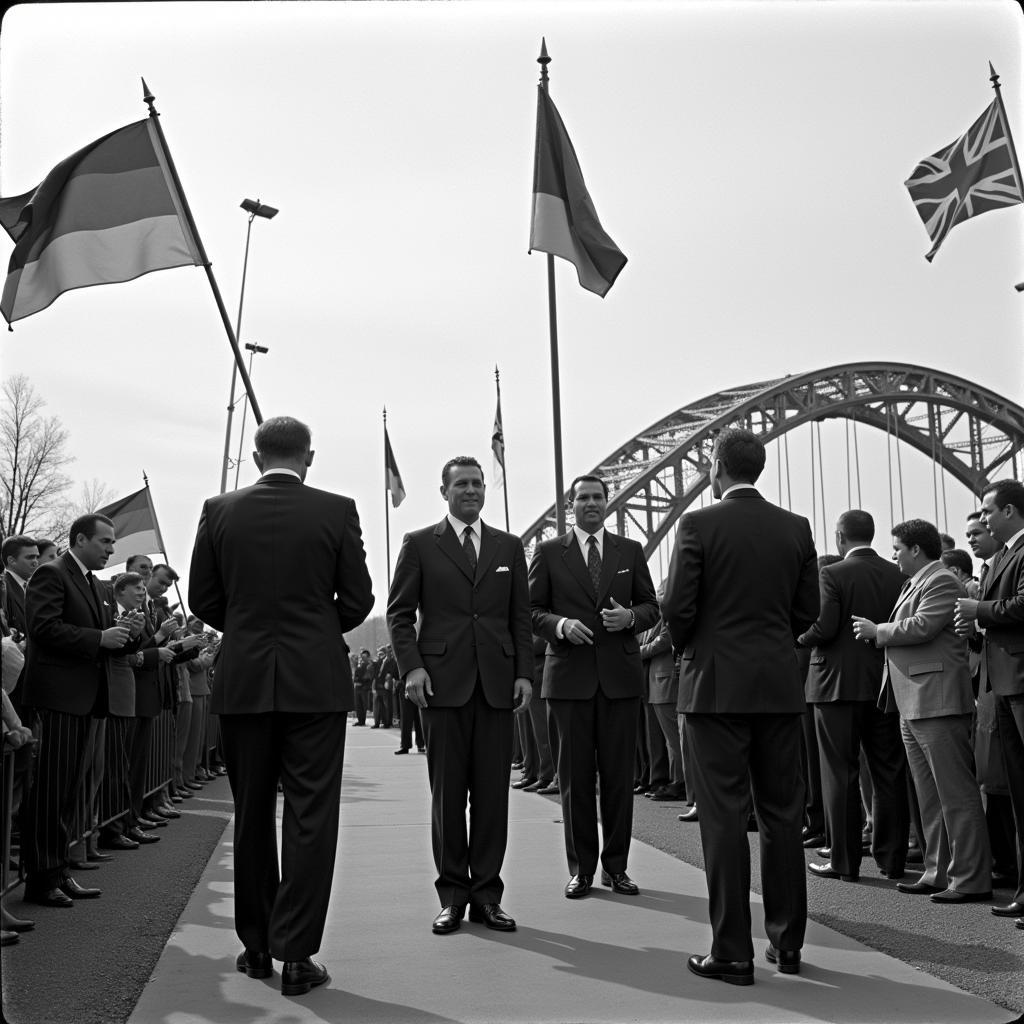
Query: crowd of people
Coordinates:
[106,689]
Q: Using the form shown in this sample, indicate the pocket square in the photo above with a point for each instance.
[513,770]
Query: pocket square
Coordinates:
[621,571]
[502,568]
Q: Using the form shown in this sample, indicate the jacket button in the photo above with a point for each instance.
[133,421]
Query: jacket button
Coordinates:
[475,617]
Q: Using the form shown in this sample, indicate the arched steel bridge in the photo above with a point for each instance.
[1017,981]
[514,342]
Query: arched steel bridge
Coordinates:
[970,432]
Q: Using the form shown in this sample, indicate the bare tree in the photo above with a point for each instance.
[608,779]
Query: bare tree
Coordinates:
[93,495]
[33,455]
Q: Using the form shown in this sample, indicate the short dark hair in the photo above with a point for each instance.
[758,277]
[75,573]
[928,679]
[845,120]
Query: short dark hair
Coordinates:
[1007,492]
[959,559]
[948,544]
[126,580]
[45,544]
[132,559]
[857,525]
[459,460]
[283,437]
[174,576]
[973,516]
[588,478]
[919,532]
[741,452]
[12,547]
[87,525]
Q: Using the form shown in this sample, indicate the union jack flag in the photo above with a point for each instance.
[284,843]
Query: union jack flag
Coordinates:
[975,174]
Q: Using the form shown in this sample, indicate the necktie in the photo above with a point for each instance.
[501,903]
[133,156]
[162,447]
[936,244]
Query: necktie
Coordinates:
[982,576]
[594,563]
[97,603]
[467,546]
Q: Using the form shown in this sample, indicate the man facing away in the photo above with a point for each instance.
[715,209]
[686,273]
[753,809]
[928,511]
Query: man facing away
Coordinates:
[742,586]
[279,567]
[465,667]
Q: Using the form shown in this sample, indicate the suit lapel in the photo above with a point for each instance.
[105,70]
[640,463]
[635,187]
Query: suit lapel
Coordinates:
[488,550]
[573,558]
[82,584]
[609,565]
[444,535]
[914,588]
[997,570]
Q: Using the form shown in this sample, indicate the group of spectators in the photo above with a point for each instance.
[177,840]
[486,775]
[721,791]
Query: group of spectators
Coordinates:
[150,742]
[379,689]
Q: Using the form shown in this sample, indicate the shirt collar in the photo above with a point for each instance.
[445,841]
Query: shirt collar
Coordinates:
[582,537]
[85,572]
[460,527]
[738,487]
[281,471]
[14,576]
[927,567]
[858,547]
[1013,540]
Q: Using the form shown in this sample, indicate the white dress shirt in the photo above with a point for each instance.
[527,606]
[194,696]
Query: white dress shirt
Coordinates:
[460,531]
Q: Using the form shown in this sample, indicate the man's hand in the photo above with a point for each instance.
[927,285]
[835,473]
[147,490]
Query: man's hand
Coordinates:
[165,654]
[522,691]
[206,658]
[965,622]
[575,632]
[167,629]
[190,643]
[864,629]
[135,620]
[18,737]
[114,638]
[616,618]
[418,688]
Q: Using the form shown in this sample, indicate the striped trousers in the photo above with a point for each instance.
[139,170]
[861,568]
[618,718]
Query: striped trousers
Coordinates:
[116,794]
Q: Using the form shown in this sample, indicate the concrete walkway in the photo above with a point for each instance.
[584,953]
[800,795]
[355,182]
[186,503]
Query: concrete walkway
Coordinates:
[602,959]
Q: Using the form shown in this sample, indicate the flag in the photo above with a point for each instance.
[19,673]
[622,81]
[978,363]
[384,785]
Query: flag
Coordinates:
[392,478]
[564,219]
[498,447]
[135,527]
[108,213]
[973,175]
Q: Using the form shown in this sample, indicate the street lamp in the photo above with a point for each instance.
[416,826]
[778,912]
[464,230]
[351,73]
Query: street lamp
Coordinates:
[253,350]
[255,209]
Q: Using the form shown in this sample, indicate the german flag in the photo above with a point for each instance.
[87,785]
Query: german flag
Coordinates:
[135,527]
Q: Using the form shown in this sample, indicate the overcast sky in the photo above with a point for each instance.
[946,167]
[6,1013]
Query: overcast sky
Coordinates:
[748,158]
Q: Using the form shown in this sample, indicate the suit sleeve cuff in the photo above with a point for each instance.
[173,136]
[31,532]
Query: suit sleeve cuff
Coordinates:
[560,627]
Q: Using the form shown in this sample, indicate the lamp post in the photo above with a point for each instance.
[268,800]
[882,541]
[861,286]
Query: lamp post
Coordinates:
[255,209]
[253,350]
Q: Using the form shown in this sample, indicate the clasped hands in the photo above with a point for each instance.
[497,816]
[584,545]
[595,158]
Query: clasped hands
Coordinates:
[965,621]
[418,687]
[614,620]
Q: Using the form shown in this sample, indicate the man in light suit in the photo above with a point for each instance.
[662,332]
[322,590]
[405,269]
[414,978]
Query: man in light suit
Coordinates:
[591,596]
[928,679]
[466,667]
[280,569]
[1000,613]
[842,687]
[742,586]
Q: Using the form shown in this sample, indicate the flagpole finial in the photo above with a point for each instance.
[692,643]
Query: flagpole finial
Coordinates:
[543,60]
[149,99]
[993,77]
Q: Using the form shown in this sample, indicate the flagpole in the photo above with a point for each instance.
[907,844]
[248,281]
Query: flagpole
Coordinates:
[504,457]
[150,99]
[556,399]
[160,540]
[387,511]
[994,79]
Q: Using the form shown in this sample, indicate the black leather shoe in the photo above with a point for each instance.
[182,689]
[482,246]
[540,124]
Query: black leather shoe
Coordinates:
[9,938]
[74,891]
[639,788]
[146,822]
[690,815]
[813,840]
[299,976]
[917,888]
[668,793]
[95,857]
[733,972]
[141,837]
[952,896]
[578,886]
[551,789]
[491,915]
[118,843]
[887,873]
[256,965]
[621,883]
[535,787]
[449,920]
[824,851]
[1009,910]
[402,750]
[526,780]
[788,960]
[16,924]
[421,750]
[54,897]
[827,871]
[169,812]
[83,865]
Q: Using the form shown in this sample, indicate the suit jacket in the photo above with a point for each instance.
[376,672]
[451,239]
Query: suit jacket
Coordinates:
[280,569]
[14,603]
[65,667]
[560,586]
[927,671]
[843,667]
[472,625]
[1001,614]
[662,676]
[742,586]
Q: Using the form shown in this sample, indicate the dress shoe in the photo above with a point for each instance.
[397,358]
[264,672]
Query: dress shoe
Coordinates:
[299,976]
[117,842]
[917,888]
[621,883]
[421,750]
[83,865]
[193,785]
[518,766]
[824,851]
[402,750]
[53,897]
[145,821]
[95,857]
[449,920]
[16,924]
[690,815]
[175,798]
[813,840]
[157,813]
[256,965]
[526,780]
[952,896]
[668,793]
[168,811]
[578,886]
[639,788]
[827,871]
[141,837]
[74,891]
[734,972]
[535,787]
[886,873]
[9,938]
[1009,910]
[788,960]
[491,915]
[551,789]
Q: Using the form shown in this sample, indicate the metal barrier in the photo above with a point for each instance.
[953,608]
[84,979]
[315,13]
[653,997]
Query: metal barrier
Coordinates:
[5,821]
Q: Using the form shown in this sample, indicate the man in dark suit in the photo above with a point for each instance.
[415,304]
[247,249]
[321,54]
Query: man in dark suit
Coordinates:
[20,557]
[465,668]
[843,686]
[591,596]
[71,637]
[279,567]
[1000,613]
[662,698]
[742,586]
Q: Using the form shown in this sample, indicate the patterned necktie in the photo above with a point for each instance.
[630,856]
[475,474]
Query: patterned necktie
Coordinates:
[594,563]
[467,546]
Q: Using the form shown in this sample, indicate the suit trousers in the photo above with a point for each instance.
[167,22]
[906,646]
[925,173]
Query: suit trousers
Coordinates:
[469,749]
[814,814]
[735,756]
[282,911]
[665,716]
[138,764]
[957,853]
[537,710]
[361,704]
[843,728]
[410,715]
[1010,723]
[196,735]
[51,802]
[607,727]
[182,724]
[115,792]
[689,771]
[528,745]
